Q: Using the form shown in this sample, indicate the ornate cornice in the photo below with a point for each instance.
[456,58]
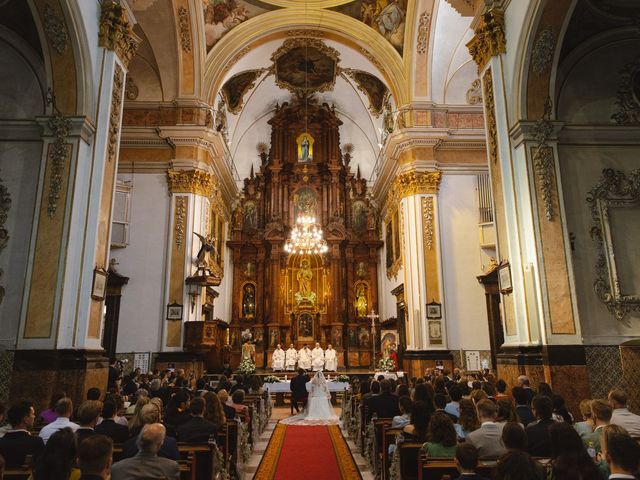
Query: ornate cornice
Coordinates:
[489,39]
[412,183]
[116,33]
[192,181]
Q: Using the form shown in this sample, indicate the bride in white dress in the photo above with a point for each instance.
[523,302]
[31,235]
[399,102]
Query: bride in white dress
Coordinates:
[319,410]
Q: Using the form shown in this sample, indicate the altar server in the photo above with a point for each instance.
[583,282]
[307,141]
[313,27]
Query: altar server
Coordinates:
[330,359]
[317,358]
[291,357]
[277,359]
[304,358]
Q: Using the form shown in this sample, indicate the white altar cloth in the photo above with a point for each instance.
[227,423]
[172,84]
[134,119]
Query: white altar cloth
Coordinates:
[285,387]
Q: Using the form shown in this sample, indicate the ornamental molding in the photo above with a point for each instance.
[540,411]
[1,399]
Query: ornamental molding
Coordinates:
[115,118]
[615,190]
[59,152]
[543,49]
[116,33]
[185,29]
[305,33]
[474,94]
[427,222]
[543,160]
[55,29]
[369,85]
[5,206]
[423,33]
[233,60]
[130,88]
[192,181]
[412,183]
[489,39]
[490,116]
[628,95]
[373,59]
[181,213]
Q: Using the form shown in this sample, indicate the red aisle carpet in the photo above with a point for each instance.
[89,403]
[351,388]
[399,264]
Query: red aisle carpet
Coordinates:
[309,453]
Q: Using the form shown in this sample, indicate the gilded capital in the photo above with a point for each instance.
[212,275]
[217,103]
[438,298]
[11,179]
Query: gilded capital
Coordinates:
[192,181]
[489,39]
[413,183]
[116,33]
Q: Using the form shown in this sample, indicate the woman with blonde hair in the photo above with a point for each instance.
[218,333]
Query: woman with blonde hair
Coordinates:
[135,422]
[585,428]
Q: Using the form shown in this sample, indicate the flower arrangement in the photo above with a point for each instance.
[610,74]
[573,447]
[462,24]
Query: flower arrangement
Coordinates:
[341,378]
[271,379]
[246,367]
[385,364]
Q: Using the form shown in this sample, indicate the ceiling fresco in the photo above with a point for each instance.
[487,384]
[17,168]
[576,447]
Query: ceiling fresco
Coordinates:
[387,17]
[221,16]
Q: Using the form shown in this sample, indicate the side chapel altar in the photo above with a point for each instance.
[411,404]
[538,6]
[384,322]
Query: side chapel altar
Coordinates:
[299,297]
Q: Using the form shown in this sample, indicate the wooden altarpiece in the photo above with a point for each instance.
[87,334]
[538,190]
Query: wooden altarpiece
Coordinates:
[303,299]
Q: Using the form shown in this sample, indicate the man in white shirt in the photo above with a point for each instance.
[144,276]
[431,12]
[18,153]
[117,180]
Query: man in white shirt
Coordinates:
[277,359]
[621,415]
[64,409]
[623,456]
[291,357]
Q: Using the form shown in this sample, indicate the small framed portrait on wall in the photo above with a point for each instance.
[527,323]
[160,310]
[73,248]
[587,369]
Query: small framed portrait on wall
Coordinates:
[99,287]
[504,276]
[174,311]
[434,310]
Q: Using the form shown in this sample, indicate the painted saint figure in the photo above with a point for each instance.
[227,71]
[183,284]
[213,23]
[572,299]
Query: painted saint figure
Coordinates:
[361,301]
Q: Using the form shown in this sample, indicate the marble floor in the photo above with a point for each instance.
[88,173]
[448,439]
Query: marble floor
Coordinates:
[261,445]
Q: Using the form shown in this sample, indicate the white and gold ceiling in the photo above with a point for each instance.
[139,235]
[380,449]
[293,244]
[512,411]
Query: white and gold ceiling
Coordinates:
[243,57]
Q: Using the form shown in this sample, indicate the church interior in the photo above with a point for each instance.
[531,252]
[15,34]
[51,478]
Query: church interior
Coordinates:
[454,184]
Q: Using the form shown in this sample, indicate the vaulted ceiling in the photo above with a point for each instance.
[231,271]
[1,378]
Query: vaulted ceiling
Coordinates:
[386,51]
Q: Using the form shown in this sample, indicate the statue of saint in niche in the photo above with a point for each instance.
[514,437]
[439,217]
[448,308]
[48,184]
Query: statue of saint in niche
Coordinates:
[360,213]
[305,148]
[361,300]
[304,276]
[250,215]
[248,301]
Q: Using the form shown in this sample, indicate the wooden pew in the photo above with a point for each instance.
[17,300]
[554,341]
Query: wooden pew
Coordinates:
[388,439]
[409,453]
[379,454]
[436,468]
[19,473]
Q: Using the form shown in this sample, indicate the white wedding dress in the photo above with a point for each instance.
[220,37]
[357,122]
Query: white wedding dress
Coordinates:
[319,410]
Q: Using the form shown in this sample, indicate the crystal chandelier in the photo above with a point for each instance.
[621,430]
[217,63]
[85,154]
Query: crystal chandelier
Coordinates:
[306,237]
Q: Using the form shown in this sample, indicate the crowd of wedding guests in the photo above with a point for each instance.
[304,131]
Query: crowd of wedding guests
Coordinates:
[145,414]
[471,417]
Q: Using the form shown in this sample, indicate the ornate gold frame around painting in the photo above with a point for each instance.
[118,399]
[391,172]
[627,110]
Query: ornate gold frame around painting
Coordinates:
[614,190]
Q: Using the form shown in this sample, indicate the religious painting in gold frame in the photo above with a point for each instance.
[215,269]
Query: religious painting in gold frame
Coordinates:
[305,147]
[306,284]
[305,202]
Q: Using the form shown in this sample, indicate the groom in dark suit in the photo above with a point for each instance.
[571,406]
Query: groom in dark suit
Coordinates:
[299,389]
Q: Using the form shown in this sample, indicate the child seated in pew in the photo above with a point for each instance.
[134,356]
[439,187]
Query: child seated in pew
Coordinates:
[466,461]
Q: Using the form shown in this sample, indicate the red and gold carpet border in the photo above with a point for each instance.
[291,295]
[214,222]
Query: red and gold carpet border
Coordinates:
[346,463]
[269,463]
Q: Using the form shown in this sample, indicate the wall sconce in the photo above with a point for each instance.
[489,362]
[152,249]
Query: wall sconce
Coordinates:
[193,289]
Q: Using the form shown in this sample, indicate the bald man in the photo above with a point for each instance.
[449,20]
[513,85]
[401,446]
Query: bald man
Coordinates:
[147,464]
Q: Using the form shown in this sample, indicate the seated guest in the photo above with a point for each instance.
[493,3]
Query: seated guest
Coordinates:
[506,411]
[487,438]
[569,458]
[49,415]
[237,403]
[402,390]
[468,419]
[623,456]
[223,384]
[442,438]
[417,429]
[88,415]
[523,382]
[585,428]
[95,458]
[229,411]
[119,417]
[141,392]
[58,459]
[602,464]
[560,412]
[545,389]
[214,411]
[538,431]
[135,423]
[63,409]
[147,464]
[621,414]
[238,385]
[93,393]
[116,432]
[453,407]
[518,465]
[385,405]
[399,421]
[18,442]
[440,402]
[501,389]
[601,413]
[489,389]
[466,460]
[197,429]
[368,397]
[169,448]
[478,395]
[523,408]
[177,410]
[514,437]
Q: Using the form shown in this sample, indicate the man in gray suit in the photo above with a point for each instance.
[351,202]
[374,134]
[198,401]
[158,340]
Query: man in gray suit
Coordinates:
[488,438]
[146,464]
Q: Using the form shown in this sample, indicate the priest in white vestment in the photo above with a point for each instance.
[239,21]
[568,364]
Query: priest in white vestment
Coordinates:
[291,357]
[317,358]
[277,359]
[304,358]
[330,359]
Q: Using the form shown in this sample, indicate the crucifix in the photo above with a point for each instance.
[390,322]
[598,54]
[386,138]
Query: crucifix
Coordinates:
[373,316]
